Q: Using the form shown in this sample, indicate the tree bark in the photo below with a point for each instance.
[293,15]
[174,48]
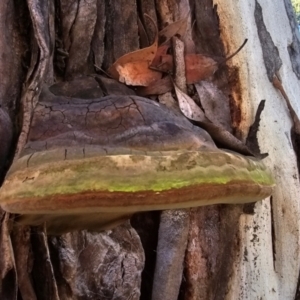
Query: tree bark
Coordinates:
[231,252]
[268,261]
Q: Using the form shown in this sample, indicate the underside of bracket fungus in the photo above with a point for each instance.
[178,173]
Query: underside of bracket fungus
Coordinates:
[92,163]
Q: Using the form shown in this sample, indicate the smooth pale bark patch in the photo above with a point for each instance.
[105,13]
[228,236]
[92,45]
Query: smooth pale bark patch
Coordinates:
[278,253]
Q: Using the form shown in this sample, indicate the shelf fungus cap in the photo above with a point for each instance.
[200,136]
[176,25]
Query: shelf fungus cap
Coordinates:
[96,187]
[121,184]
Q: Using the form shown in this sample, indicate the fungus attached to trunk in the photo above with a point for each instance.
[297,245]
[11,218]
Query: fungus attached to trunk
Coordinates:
[90,164]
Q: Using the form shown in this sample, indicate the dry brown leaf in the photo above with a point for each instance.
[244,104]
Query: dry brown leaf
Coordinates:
[215,104]
[143,55]
[161,51]
[199,67]
[137,73]
[164,64]
[159,87]
[225,139]
[176,28]
[220,135]
[188,106]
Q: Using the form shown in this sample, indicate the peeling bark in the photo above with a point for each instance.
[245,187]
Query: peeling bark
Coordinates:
[98,266]
[31,269]
[121,30]
[9,281]
[172,240]
[81,34]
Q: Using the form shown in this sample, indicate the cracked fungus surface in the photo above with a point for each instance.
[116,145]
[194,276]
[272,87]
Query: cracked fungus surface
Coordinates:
[113,121]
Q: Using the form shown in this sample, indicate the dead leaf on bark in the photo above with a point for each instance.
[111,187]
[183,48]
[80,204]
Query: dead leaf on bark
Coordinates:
[140,60]
[225,139]
[199,67]
[143,67]
[188,106]
[137,73]
[219,134]
[159,87]
[161,51]
[215,104]
[163,63]
[175,28]
[133,68]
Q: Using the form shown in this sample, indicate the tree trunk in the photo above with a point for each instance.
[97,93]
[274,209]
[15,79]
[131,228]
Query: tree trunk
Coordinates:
[215,252]
[268,261]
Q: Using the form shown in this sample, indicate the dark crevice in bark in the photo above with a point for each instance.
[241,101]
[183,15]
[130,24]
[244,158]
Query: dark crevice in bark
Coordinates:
[64,287]
[6,138]
[228,244]
[249,208]
[147,7]
[297,295]
[146,225]
[252,141]
[294,47]
[121,30]
[295,137]
[207,33]
[273,232]
[97,48]
[43,280]
[60,54]
[271,56]
[81,34]
[8,289]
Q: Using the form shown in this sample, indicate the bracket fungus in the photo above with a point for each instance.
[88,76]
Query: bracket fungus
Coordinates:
[92,163]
